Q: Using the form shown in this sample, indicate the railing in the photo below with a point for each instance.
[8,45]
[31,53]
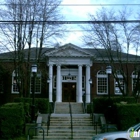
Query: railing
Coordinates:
[51,109]
[71,120]
[91,109]
[35,127]
[84,104]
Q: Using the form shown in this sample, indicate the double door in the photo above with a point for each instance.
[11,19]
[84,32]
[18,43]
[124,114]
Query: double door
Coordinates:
[68,92]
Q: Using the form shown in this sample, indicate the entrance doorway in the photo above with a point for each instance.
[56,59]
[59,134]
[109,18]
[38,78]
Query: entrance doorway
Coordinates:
[69,92]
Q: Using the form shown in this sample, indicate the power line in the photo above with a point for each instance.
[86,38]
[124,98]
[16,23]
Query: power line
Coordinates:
[124,4]
[99,4]
[69,22]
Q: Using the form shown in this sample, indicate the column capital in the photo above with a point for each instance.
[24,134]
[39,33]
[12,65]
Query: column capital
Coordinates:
[58,64]
[50,64]
[88,65]
[80,65]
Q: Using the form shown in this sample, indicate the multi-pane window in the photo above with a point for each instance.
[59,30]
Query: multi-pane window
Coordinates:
[119,83]
[37,83]
[135,80]
[101,82]
[15,83]
[15,88]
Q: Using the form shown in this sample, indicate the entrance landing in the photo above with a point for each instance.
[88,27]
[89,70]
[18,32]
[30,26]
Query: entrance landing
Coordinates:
[63,108]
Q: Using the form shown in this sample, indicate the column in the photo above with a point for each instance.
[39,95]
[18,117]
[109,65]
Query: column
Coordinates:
[50,82]
[58,85]
[87,84]
[80,83]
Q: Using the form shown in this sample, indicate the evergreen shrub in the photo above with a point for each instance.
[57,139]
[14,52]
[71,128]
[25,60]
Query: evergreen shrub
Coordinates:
[41,104]
[12,120]
[127,115]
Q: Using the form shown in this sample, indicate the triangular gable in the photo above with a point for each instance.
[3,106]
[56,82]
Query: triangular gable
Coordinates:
[69,50]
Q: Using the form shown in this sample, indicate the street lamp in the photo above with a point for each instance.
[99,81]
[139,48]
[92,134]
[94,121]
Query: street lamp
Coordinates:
[48,80]
[90,81]
[34,71]
[108,72]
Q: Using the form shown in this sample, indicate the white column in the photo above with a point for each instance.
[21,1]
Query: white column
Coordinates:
[80,83]
[50,82]
[58,85]
[87,84]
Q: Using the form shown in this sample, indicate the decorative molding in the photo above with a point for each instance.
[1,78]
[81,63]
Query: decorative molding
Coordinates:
[69,50]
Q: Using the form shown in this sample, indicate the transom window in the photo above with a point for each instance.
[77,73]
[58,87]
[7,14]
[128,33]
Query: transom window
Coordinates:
[101,82]
[66,78]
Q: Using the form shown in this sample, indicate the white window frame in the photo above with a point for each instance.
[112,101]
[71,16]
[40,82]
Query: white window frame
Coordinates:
[38,75]
[134,76]
[103,76]
[14,83]
[116,87]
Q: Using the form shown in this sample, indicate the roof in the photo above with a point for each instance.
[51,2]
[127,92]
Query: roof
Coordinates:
[71,50]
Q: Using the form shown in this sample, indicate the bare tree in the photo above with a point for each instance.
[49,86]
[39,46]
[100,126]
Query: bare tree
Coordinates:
[115,39]
[27,27]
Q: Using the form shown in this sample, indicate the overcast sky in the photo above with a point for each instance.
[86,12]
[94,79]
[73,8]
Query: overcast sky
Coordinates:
[78,10]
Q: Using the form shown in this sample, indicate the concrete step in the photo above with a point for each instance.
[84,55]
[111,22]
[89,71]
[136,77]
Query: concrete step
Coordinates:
[60,127]
[68,131]
[62,137]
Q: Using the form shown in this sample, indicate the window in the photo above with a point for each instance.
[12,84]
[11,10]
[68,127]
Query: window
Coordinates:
[37,83]
[119,83]
[15,82]
[101,82]
[135,80]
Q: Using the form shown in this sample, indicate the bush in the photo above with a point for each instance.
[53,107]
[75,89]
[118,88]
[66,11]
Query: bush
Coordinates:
[127,115]
[12,120]
[100,104]
[41,105]
[107,106]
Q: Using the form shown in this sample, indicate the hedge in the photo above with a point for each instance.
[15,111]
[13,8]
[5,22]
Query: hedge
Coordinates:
[42,105]
[12,120]
[100,104]
[107,107]
[127,115]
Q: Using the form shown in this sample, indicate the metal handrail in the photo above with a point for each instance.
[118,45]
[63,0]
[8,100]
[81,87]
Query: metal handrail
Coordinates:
[35,127]
[91,108]
[48,121]
[48,124]
[71,120]
[84,104]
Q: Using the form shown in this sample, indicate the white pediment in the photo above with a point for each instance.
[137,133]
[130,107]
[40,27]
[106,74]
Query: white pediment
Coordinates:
[69,50]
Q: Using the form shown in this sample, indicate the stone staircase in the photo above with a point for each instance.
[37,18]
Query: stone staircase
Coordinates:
[60,124]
